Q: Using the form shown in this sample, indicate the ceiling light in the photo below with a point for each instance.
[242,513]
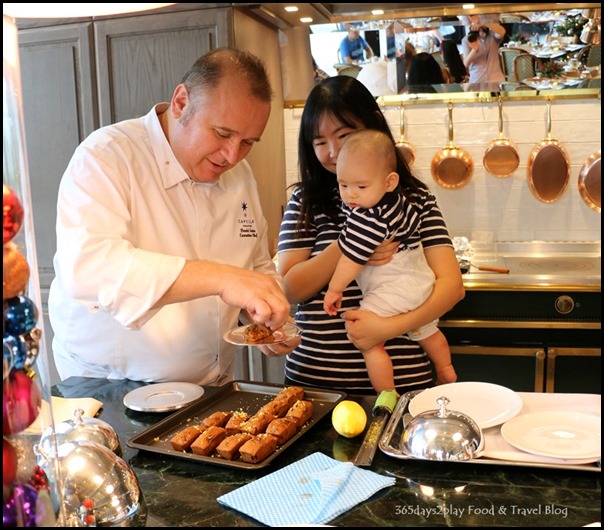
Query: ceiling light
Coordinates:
[377,12]
[468,6]
[306,20]
[291,9]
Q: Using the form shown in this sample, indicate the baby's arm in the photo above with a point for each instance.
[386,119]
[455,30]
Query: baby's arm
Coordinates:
[346,271]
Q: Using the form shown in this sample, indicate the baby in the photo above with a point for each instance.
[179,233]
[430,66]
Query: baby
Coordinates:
[378,211]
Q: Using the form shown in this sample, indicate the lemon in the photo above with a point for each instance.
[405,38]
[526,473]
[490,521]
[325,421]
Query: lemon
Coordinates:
[348,418]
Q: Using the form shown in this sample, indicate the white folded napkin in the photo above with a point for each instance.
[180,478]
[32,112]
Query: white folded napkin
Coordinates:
[62,410]
[314,490]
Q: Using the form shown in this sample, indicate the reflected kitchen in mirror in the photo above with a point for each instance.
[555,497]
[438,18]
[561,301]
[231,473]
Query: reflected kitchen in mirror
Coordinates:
[555,39]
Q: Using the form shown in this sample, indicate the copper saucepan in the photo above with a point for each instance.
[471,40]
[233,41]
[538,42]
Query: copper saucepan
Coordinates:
[548,167]
[590,181]
[403,145]
[501,157]
[452,166]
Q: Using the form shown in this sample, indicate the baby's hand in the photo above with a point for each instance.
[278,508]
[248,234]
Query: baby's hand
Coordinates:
[332,302]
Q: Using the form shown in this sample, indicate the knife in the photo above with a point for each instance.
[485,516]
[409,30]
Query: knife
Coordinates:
[384,405]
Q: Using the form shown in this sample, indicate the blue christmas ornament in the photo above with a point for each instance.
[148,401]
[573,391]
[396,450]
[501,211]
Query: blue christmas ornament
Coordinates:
[20,315]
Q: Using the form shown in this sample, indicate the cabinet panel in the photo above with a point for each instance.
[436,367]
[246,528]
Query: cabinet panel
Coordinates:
[141,59]
[58,113]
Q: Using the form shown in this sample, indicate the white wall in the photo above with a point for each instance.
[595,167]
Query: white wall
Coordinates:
[504,206]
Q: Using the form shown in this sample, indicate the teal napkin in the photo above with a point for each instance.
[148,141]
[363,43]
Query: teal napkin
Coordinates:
[314,490]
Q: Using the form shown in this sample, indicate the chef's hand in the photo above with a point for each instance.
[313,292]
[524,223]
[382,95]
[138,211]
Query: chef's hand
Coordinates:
[383,253]
[281,348]
[259,295]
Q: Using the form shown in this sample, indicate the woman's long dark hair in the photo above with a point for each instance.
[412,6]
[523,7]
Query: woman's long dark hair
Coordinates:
[453,60]
[351,103]
[425,70]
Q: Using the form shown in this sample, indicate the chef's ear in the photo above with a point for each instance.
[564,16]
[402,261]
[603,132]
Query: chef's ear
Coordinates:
[392,181]
[180,100]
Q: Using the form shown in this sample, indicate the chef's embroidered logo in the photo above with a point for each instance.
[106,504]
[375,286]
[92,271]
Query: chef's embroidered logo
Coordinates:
[247,227]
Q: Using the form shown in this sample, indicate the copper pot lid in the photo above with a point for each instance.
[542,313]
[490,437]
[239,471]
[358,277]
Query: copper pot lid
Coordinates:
[405,148]
[501,157]
[452,166]
[590,186]
[548,169]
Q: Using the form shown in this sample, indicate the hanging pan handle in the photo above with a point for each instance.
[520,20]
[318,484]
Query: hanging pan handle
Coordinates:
[402,123]
[450,107]
[500,105]
[549,119]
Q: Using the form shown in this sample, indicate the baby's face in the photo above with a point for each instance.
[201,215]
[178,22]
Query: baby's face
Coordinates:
[362,180]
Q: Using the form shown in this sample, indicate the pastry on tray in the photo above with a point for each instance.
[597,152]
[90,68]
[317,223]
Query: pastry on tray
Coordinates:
[259,447]
[208,440]
[182,440]
[282,429]
[300,412]
[233,426]
[229,447]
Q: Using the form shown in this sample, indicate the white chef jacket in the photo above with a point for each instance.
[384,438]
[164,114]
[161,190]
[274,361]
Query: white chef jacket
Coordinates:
[128,217]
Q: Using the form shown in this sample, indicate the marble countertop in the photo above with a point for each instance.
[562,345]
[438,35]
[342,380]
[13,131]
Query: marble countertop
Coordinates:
[183,493]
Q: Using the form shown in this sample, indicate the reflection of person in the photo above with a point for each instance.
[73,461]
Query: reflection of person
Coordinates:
[161,241]
[424,71]
[390,41]
[308,252]
[377,212]
[318,74]
[455,68]
[353,47]
[481,51]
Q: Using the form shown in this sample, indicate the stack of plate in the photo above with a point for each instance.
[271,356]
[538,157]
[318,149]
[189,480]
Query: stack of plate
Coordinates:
[572,436]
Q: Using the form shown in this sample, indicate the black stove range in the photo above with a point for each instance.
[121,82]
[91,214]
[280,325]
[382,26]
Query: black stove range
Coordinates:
[536,328]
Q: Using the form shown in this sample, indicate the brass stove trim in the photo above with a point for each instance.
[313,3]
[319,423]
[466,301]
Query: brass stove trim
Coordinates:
[552,353]
[515,324]
[538,353]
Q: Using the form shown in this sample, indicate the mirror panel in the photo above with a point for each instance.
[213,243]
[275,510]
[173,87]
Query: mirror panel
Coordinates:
[537,32]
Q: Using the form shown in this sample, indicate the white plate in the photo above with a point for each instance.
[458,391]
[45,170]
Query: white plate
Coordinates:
[287,332]
[568,435]
[487,404]
[162,397]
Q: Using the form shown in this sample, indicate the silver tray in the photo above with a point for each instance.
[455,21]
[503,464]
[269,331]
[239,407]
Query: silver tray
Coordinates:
[390,443]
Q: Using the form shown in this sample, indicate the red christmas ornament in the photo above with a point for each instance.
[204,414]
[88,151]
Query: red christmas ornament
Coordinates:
[9,463]
[12,213]
[21,402]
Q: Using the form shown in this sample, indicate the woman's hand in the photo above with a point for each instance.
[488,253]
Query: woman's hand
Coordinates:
[383,253]
[366,329]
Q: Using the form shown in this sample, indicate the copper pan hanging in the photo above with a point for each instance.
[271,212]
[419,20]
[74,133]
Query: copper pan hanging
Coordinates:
[501,156]
[452,166]
[405,148]
[548,168]
[590,186]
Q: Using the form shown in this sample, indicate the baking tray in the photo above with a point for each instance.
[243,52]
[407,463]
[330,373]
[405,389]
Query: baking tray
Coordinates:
[244,395]
[390,443]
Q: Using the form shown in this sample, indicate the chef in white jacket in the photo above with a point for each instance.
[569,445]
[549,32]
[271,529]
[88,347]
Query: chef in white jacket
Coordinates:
[161,239]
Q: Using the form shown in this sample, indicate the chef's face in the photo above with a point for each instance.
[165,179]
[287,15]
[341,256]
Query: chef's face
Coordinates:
[215,129]
[331,135]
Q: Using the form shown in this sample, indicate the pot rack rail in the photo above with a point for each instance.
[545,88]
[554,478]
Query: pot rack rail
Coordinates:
[475,97]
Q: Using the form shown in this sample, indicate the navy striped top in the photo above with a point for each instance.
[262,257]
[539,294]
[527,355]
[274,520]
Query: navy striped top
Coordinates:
[326,358]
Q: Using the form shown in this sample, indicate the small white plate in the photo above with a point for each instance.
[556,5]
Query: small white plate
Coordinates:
[568,435]
[287,332]
[486,403]
[162,397]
